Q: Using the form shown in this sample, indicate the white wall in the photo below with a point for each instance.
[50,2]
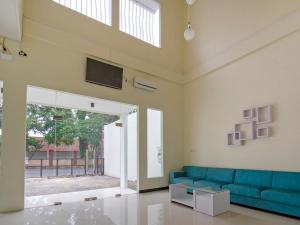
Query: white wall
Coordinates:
[132,126]
[112,148]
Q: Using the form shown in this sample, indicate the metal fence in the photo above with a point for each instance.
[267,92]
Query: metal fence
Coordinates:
[64,167]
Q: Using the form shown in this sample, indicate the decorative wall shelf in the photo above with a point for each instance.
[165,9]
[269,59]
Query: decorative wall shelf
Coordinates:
[264,114]
[234,138]
[249,114]
[246,129]
[263,132]
[254,126]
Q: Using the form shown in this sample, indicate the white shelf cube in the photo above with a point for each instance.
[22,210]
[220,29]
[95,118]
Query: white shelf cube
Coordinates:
[264,114]
[263,132]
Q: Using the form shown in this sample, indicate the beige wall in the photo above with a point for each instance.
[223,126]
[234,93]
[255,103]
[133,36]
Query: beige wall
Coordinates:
[69,29]
[229,29]
[245,54]
[213,103]
[57,51]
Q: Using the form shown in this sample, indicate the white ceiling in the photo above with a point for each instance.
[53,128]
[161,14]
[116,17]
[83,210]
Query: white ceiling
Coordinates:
[11,15]
[43,96]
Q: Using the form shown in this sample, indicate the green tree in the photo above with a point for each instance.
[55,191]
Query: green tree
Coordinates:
[33,145]
[36,123]
[41,120]
[83,142]
[91,129]
[63,126]
[63,129]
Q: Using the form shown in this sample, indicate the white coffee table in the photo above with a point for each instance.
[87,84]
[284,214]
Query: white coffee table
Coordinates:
[205,200]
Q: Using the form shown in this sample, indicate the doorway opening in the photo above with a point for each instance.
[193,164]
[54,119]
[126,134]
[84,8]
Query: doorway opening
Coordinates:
[78,148]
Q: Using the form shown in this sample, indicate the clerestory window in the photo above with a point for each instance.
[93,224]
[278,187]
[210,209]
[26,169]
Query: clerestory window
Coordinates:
[141,19]
[99,10]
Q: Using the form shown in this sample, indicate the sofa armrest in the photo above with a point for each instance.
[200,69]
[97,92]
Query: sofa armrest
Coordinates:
[175,174]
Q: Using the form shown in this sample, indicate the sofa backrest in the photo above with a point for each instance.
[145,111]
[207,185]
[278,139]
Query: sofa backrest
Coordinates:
[195,171]
[261,178]
[286,180]
[220,174]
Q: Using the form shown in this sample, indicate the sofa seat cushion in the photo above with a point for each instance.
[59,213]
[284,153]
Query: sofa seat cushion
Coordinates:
[244,190]
[208,184]
[282,196]
[184,180]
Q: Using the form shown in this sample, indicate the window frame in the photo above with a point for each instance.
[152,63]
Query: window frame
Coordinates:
[159,46]
[81,12]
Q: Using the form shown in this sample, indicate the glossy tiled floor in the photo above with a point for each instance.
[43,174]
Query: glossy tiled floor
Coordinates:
[70,197]
[138,209]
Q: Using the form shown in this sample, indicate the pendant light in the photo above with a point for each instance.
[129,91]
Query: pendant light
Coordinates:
[189,32]
[190,2]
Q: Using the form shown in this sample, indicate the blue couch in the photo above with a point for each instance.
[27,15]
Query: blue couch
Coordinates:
[268,190]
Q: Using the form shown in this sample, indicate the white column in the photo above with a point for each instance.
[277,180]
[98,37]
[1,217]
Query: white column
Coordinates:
[13,146]
[124,150]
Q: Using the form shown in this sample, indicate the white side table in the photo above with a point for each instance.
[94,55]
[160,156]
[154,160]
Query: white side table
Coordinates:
[211,202]
[204,200]
[179,194]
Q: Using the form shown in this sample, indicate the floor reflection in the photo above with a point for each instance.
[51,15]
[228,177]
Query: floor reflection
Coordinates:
[138,209]
[155,214]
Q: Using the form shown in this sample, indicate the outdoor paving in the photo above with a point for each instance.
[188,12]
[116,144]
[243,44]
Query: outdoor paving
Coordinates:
[45,186]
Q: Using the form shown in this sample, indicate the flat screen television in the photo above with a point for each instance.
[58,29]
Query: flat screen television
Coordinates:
[104,74]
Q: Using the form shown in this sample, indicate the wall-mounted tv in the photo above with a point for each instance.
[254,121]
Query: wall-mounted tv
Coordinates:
[104,74]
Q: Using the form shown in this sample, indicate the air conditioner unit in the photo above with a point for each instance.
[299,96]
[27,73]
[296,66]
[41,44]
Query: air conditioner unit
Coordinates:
[144,84]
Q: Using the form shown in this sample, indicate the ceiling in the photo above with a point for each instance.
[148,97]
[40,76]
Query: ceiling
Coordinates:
[11,15]
[48,97]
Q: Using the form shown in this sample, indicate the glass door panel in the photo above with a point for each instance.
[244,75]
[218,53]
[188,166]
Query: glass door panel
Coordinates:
[154,143]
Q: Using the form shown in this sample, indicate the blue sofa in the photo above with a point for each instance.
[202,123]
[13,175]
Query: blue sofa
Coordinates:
[268,190]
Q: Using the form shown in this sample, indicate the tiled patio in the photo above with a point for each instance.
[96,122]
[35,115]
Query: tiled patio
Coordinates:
[46,186]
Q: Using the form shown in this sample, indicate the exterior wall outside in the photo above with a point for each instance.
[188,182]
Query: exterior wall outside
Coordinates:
[112,149]
[50,153]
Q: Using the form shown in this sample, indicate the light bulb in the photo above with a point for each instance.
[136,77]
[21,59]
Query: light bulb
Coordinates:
[190,2]
[189,33]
